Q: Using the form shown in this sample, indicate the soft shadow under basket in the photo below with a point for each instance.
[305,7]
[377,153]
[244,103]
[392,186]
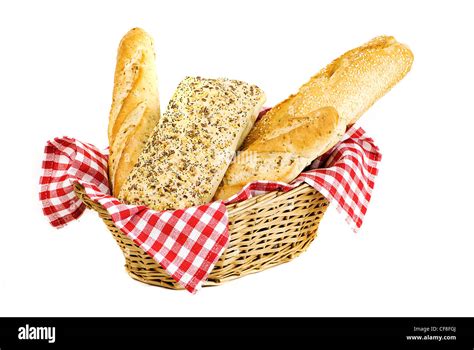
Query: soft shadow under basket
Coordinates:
[265,231]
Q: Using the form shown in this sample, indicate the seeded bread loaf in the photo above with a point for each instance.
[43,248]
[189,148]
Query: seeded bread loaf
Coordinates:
[190,149]
[135,107]
[350,84]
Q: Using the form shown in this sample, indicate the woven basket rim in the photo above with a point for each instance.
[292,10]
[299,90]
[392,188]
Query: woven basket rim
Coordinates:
[232,209]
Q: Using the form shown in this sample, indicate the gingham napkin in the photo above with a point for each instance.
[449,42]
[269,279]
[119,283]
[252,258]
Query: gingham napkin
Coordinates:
[188,242]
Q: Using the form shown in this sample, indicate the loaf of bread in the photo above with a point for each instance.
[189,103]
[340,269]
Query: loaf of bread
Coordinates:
[135,107]
[193,144]
[350,84]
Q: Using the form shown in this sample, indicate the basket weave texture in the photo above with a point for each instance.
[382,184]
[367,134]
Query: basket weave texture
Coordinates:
[265,231]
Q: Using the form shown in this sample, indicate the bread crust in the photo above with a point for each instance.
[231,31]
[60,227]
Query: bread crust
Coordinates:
[135,109]
[351,84]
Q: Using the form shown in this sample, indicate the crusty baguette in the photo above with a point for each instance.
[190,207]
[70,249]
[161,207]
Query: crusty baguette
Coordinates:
[135,107]
[350,84]
[282,155]
[190,149]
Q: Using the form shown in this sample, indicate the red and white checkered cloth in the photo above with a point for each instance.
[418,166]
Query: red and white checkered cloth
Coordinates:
[188,242]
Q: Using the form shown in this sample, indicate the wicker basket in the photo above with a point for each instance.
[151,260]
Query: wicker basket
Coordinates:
[265,231]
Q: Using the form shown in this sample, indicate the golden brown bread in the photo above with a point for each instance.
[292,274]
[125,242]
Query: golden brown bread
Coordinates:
[190,149]
[281,156]
[350,84]
[135,107]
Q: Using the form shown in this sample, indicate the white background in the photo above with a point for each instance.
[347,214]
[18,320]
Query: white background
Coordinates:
[414,255]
